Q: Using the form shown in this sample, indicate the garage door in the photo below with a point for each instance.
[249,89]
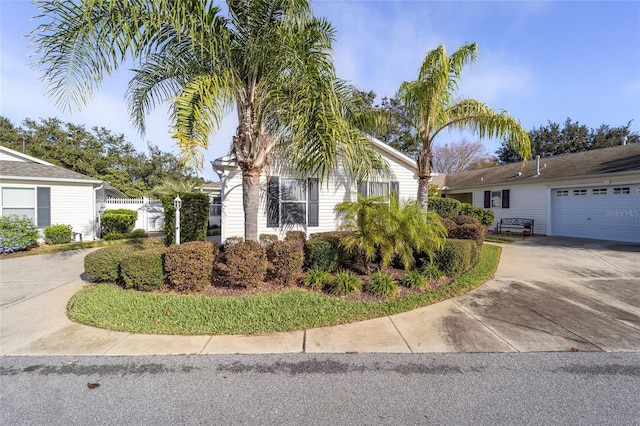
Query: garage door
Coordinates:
[602,212]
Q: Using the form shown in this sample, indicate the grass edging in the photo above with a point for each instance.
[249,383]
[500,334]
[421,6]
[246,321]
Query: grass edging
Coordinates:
[113,308]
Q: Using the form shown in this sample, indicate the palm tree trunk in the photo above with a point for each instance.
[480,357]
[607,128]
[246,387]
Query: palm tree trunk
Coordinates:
[251,202]
[425,166]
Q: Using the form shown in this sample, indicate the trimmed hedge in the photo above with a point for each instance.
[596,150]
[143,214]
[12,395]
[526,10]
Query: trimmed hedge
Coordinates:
[58,234]
[189,266]
[143,270]
[17,233]
[104,264]
[455,257]
[323,253]
[299,236]
[466,228]
[288,260]
[194,217]
[267,241]
[244,264]
[446,208]
[484,216]
[121,221]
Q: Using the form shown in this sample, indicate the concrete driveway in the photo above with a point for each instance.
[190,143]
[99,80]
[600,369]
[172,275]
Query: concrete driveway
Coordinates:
[549,294]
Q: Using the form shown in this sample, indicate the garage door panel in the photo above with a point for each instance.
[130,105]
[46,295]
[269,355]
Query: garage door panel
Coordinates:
[585,213]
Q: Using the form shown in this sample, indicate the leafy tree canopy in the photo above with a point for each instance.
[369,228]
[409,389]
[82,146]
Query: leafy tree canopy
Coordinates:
[569,137]
[98,153]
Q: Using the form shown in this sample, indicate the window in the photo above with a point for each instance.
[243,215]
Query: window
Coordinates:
[292,202]
[599,191]
[579,192]
[619,191]
[34,203]
[562,193]
[379,189]
[215,208]
[497,199]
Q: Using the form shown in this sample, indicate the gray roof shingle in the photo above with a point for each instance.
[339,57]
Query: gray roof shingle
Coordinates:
[617,159]
[41,171]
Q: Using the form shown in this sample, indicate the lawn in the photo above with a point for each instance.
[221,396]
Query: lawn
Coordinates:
[111,307]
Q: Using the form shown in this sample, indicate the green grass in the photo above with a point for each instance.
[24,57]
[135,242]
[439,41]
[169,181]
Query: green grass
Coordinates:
[111,307]
[500,240]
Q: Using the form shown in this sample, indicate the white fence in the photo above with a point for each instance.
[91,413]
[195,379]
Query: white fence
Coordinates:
[150,212]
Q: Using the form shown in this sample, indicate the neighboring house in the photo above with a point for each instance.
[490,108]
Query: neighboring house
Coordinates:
[592,194]
[215,206]
[50,194]
[292,202]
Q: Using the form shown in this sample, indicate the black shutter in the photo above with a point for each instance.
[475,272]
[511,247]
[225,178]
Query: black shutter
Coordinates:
[363,189]
[487,199]
[44,207]
[395,190]
[505,198]
[273,202]
[313,199]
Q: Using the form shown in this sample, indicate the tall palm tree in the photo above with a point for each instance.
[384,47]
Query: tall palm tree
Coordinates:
[268,59]
[430,106]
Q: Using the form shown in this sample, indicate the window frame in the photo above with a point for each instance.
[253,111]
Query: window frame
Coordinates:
[288,202]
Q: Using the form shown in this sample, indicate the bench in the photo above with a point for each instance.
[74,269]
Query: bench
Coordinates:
[516,223]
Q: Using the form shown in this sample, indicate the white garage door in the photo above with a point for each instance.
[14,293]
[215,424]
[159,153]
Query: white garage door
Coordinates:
[602,212]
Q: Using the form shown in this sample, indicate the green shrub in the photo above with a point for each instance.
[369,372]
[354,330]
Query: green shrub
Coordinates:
[431,272]
[323,253]
[244,264]
[455,257]
[57,234]
[104,264]
[414,279]
[383,285]
[346,282]
[189,266]
[446,208]
[112,236]
[317,279]
[143,270]
[119,220]
[288,259]
[138,233]
[17,233]
[194,217]
[484,216]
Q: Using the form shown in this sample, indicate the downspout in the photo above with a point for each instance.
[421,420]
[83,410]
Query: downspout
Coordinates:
[537,165]
[95,203]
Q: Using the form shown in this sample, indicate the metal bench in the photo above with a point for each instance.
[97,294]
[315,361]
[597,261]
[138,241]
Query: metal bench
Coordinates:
[516,223]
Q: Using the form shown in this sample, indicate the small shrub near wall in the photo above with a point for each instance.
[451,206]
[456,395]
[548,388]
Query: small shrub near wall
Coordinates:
[189,266]
[484,216]
[299,236]
[58,234]
[288,259]
[17,233]
[456,257]
[244,264]
[466,228]
[323,253]
[446,208]
[121,221]
[143,270]
[267,241]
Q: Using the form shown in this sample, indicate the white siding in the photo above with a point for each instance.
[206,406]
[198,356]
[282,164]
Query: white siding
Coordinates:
[332,192]
[528,202]
[73,205]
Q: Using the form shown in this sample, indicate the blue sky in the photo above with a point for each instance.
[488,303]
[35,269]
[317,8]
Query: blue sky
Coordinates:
[539,60]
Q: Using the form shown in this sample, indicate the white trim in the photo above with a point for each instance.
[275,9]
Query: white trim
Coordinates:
[50,179]
[25,156]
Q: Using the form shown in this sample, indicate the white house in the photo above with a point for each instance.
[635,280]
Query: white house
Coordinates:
[592,194]
[292,202]
[50,194]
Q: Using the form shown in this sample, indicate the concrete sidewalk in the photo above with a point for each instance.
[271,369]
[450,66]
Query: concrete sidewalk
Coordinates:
[549,294]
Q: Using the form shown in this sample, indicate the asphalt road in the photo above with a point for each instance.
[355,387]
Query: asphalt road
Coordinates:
[361,389]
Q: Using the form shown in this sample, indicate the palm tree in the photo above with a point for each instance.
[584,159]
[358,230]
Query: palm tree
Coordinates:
[268,59]
[430,106]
